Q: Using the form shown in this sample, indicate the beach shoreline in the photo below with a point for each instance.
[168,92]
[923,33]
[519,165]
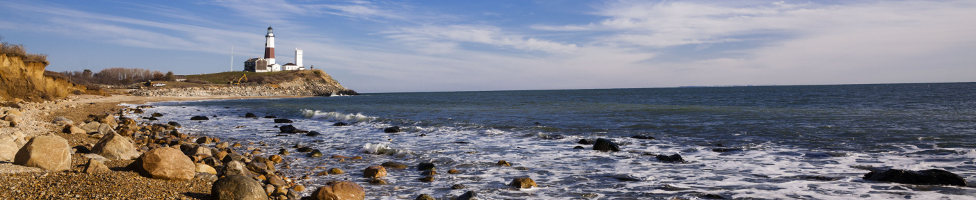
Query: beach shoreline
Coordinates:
[37,118]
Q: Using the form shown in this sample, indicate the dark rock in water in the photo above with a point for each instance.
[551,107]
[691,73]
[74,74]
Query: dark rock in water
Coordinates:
[305,149]
[584,141]
[199,118]
[394,165]
[394,129]
[710,196]
[313,133]
[643,137]
[315,154]
[424,197]
[605,145]
[457,186]
[237,187]
[157,115]
[723,150]
[816,178]
[675,158]
[425,166]
[291,129]
[175,124]
[282,121]
[340,124]
[152,118]
[250,115]
[924,177]
[470,195]
[270,116]
[578,147]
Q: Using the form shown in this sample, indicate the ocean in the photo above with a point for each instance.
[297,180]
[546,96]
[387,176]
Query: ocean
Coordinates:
[765,142]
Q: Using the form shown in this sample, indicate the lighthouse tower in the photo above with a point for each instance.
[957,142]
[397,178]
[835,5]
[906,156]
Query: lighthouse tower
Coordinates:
[269,47]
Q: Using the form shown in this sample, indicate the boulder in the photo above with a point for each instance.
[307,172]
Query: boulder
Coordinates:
[235,168]
[453,171]
[174,124]
[374,171]
[10,145]
[315,153]
[167,163]
[425,166]
[503,163]
[470,195]
[290,129]
[276,159]
[48,152]
[204,168]
[94,166]
[924,177]
[674,158]
[199,118]
[71,129]
[250,115]
[523,182]
[237,187]
[60,120]
[339,190]
[335,171]
[394,129]
[605,145]
[340,124]
[260,168]
[584,141]
[116,147]
[276,181]
[394,165]
[643,137]
[282,121]
[313,133]
[425,197]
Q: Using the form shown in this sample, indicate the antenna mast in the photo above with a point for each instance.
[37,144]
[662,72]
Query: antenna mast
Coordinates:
[231,57]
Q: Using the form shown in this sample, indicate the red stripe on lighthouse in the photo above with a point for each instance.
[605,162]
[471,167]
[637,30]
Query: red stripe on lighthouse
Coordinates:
[269,52]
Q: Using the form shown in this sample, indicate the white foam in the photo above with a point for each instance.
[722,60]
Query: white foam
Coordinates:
[336,116]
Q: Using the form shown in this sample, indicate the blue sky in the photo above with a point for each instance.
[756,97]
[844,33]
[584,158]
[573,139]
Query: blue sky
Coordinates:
[402,46]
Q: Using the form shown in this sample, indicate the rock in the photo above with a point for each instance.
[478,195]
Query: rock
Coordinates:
[276,181]
[340,124]
[430,172]
[290,129]
[90,127]
[10,145]
[235,168]
[305,149]
[105,129]
[394,165]
[457,187]
[270,116]
[674,158]
[453,171]
[94,166]
[156,114]
[199,118]
[260,167]
[578,147]
[116,147]
[394,129]
[48,152]
[724,150]
[643,137]
[167,163]
[60,121]
[425,197]
[222,145]
[282,121]
[174,124]
[924,177]
[71,129]
[204,168]
[299,188]
[470,195]
[605,145]
[250,115]
[584,141]
[427,179]
[237,187]
[204,140]
[425,166]
[374,171]
[340,190]
[276,159]
[335,171]
[503,163]
[523,182]
[377,181]
[313,133]
[315,154]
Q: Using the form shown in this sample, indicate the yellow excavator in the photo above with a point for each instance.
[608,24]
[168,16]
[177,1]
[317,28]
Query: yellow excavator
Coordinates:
[240,80]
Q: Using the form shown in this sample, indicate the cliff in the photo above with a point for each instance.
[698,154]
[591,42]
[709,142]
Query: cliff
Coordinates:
[288,83]
[27,81]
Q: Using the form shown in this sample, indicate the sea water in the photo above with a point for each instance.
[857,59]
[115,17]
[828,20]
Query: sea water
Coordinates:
[765,142]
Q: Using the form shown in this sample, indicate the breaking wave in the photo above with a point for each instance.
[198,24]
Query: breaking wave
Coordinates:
[336,116]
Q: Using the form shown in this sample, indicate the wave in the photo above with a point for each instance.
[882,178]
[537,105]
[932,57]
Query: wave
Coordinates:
[383,149]
[337,116]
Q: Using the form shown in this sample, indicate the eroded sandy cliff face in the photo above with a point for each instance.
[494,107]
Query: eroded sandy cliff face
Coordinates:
[26,81]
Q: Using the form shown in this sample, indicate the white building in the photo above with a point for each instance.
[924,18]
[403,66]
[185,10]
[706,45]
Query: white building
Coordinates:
[267,64]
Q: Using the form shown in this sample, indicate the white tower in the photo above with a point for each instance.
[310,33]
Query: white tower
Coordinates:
[298,57]
[269,47]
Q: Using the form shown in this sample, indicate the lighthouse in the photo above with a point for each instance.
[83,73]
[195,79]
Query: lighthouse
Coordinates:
[269,47]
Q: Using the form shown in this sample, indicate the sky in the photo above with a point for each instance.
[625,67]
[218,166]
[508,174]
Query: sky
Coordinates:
[417,46]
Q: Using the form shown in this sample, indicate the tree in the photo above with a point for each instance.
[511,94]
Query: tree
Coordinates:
[169,76]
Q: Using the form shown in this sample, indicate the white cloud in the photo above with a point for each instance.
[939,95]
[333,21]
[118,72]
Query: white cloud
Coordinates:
[486,35]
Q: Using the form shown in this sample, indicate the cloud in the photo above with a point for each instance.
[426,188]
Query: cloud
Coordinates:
[444,37]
